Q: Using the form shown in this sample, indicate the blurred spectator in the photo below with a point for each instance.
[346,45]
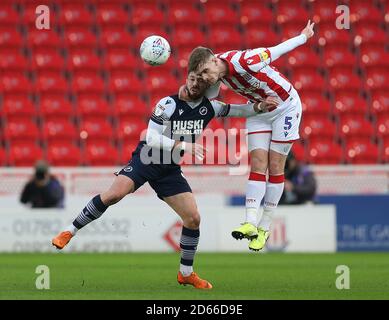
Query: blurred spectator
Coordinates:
[43,190]
[300,183]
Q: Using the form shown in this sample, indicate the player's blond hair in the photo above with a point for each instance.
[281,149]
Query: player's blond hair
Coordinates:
[198,57]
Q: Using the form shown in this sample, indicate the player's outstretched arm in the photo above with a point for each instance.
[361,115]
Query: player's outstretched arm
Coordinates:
[289,45]
[244,110]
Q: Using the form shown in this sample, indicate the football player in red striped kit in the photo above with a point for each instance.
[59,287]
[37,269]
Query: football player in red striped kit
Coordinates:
[270,138]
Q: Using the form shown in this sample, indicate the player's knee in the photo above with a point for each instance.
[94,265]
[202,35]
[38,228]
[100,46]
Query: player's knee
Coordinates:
[276,167]
[193,221]
[258,163]
[111,197]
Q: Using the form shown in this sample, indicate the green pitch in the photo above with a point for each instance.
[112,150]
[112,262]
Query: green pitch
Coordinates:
[234,276]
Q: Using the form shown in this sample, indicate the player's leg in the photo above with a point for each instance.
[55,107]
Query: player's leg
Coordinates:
[121,186]
[185,206]
[174,189]
[259,135]
[285,130]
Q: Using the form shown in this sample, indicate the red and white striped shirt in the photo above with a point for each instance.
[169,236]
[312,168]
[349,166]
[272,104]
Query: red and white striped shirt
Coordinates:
[251,75]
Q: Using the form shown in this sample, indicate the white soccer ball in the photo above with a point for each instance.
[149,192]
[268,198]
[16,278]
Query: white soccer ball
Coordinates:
[155,50]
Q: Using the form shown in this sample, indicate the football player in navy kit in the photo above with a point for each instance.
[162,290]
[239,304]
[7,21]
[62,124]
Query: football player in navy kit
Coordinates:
[173,129]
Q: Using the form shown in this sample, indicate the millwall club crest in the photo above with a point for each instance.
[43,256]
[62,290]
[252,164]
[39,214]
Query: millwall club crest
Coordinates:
[203,111]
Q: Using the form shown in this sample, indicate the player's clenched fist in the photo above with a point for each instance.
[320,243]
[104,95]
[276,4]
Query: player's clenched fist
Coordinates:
[308,30]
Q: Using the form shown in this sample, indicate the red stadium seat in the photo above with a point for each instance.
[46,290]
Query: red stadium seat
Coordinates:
[29,14]
[18,106]
[188,36]
[14,83]
[9,38]
[130,106]
[170,66]
[353,126]
[350,103]
[3,157]
[72,14]
[324,152]
[303,57]
[121,82]
[21,130]
[255,13]
[217,15]
[183,56]
[24,154]
[59,130]
[308,80]
[130,129]
[83,60]
[313,103]
[380,101]
[290,30]
[288,12]
[46,60]
[127,149]
[96,130]
[162,82]
[121,60]
[101,154]
[299,151]
[10,60]
[63,154]
[55,107]
[317,128]
[377,78]
[51,82]
[329,34]
[382,126]
[112,14]
[385,151]
[361,152]
[147,14]
[93,106]
[237,125]
[116,38]
[337,56]
[80,37]
[374,56]
[184,14]
[44,39]
[261,37]
[364,11]
[8,15]
[324,11]
[84,82]
[370,33]
[344,79]
[225,37]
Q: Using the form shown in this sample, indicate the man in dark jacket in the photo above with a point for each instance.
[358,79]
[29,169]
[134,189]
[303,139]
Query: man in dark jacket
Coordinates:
[43,190]
[300,183]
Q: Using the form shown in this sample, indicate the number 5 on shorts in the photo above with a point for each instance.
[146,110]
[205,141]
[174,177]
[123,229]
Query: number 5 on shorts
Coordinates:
[288,124]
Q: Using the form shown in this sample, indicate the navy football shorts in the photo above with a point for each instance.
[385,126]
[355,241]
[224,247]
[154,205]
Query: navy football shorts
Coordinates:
[166,180]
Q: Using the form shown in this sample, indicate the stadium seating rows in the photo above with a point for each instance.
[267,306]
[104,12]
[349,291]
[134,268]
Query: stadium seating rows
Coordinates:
[78,94]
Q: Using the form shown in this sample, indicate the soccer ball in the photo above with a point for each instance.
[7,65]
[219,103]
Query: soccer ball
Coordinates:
[155,50]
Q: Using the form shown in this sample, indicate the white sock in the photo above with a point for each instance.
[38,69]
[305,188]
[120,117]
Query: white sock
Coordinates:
[267,219]
[256,187]
[72,229]
[186,270]
[274,189]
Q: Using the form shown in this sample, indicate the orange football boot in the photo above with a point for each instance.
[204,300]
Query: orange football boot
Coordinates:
[61,240]
[193,280]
